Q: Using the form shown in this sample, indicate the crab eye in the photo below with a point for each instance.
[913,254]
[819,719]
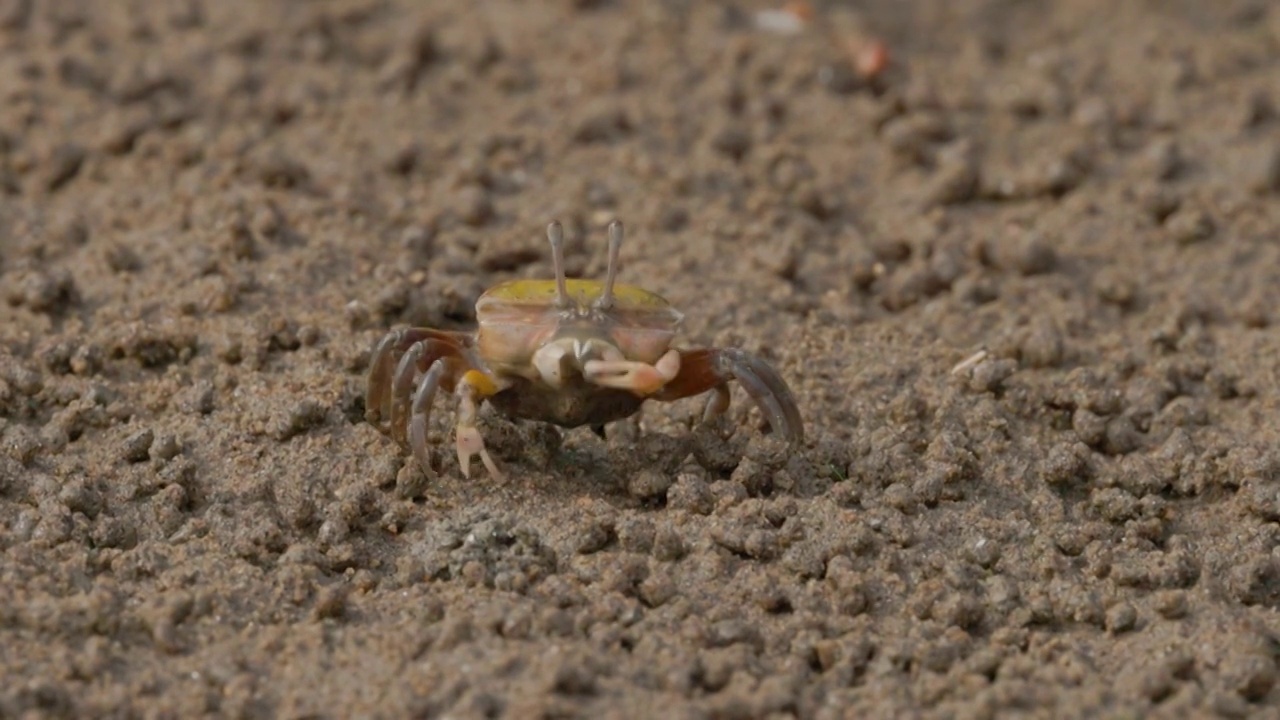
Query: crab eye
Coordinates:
[555,236]
[605,301]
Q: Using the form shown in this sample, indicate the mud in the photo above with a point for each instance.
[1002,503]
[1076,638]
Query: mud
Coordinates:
[1025,283]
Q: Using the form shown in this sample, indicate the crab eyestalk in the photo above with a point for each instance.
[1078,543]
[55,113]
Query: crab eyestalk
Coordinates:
[605,301]
[555,235]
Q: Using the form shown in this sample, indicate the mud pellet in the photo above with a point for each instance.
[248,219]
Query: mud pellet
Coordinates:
[137,447]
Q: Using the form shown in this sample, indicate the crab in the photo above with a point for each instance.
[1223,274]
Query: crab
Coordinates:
[570,352]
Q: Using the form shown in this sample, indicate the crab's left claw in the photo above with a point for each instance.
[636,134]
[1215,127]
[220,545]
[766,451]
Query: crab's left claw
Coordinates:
[640,378]
[711,369]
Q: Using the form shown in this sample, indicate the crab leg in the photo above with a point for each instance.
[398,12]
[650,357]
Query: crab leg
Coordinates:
[383,365]
[423,355]
[420,413]
[454,372]
[711,369]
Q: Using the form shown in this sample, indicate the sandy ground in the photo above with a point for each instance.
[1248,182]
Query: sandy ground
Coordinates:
[211,211]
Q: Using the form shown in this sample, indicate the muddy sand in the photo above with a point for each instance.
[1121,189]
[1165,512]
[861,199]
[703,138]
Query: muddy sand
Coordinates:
[1024,281]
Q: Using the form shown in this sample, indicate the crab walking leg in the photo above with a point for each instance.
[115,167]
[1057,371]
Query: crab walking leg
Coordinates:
[718,403]
[712,369]
[383,365]
[421,356]
[641,378]
[420,413]
[474,386]
[769,391]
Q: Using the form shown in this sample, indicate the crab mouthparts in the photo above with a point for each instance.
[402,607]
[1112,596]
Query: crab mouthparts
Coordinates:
[566,358]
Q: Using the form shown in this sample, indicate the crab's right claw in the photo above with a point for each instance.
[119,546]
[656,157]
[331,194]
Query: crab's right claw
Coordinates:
[710,369]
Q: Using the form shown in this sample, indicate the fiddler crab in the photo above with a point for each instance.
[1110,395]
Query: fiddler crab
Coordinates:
[569,352]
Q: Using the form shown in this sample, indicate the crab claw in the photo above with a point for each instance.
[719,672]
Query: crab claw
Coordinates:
[471,444]
[710,369]
[638,377]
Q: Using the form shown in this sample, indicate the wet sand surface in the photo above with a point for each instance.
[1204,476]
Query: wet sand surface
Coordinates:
[1024,281]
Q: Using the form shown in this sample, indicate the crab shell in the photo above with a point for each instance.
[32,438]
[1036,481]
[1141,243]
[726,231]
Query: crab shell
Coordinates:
[519,316]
